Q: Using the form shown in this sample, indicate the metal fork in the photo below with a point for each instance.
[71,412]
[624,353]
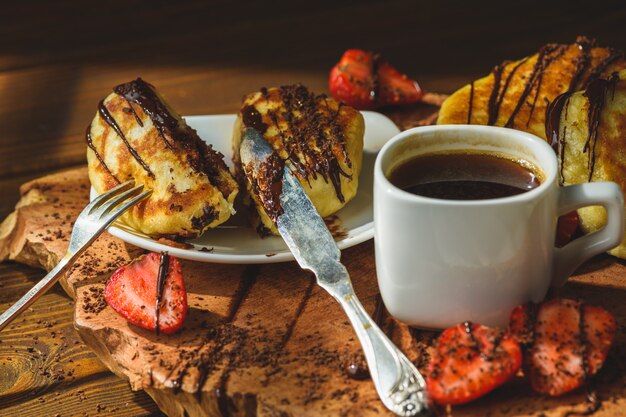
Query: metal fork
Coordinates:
[91,222]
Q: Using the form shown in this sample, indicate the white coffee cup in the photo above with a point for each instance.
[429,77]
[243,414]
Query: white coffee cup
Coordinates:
[441,262]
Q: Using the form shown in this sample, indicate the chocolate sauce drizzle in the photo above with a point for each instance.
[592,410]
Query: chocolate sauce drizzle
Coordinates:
[547,54]
[252,118]
[597,72]
[202,157]
[95,151]
[470,104]
[267,184]
[495,91]
[314,137]
[108,118]
[596,94]
[131,109]
[164,266]
[143,94]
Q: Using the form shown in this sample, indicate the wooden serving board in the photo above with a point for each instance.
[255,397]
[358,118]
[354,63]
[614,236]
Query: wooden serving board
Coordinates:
[265,340]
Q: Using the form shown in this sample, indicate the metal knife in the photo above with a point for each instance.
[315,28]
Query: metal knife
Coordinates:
[399,384]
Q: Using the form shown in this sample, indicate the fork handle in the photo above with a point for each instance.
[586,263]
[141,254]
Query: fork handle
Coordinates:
[37,291]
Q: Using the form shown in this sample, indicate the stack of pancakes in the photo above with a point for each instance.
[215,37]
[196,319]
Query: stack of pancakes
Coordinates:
[574,97]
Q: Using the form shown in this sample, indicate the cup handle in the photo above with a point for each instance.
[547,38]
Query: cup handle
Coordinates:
[606,194]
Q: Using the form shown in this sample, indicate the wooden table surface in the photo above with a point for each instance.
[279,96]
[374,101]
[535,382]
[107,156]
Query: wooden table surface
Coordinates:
[58,59]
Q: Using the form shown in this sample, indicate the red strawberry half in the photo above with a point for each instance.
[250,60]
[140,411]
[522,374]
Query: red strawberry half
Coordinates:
[469,361]
[132,292]
[364,81]
[567,341]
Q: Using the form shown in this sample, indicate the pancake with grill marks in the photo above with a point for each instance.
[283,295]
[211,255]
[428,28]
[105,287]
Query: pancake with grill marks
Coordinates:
[136,135]
[516,94]
[319,139]
[589,133]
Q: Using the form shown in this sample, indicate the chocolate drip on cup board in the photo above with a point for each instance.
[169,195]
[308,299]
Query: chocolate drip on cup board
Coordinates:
[555,136]
[108,118]
[164,266]
[95,151]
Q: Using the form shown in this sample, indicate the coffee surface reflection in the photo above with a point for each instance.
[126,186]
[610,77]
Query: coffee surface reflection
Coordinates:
[465,175]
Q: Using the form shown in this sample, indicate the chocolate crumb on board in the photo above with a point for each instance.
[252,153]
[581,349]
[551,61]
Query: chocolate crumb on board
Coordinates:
[94,301]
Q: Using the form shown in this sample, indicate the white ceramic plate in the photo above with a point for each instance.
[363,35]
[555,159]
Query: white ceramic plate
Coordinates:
[236,242]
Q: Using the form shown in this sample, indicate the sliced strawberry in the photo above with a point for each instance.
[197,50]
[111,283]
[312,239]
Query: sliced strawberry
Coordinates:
[396,88]
[561,350]
[566,227]
[469,361]
[132,292]
[363,80]
[522,324]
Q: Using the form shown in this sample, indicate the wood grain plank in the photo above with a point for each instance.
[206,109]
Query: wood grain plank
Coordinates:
[266,341]
[45,369]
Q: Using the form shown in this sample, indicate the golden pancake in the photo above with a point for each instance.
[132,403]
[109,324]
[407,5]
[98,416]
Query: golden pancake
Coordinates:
[136,135]
[517,93]
[590,131]
[319,139]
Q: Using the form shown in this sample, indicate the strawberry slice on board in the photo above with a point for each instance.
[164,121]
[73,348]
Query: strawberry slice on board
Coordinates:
[469,361]
[133,291]
[364,81]
[566,342]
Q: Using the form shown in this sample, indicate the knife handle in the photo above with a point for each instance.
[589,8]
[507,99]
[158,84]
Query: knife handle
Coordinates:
[398,382]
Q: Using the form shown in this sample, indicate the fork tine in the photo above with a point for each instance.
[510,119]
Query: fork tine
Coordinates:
[109,217]
[102,198]
[115,200]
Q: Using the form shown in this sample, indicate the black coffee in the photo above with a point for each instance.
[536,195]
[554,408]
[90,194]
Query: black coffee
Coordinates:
[465,176]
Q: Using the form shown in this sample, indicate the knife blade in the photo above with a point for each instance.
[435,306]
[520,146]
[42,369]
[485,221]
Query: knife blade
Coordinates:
[399,384]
